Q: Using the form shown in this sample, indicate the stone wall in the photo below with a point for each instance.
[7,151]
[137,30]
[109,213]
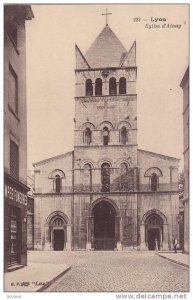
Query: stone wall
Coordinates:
[167,165]
[164,204]
[44,206]
[43,170]
[118,110]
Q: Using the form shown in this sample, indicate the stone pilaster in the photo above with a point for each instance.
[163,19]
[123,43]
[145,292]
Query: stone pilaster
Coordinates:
[142,233]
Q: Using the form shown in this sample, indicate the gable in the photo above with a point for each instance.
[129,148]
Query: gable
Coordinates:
[81,62]
[130,58]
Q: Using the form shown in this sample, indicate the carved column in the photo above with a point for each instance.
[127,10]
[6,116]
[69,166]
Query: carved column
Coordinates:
[118,232]
[161,239]
[117,83]
[117,228]
[89,234]
[93,86]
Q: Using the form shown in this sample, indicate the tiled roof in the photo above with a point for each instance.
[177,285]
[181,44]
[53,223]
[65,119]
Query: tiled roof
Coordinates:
[106,51]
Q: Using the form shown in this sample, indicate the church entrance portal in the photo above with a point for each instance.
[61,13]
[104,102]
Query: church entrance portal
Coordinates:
[153,234]
[58,241]
[154,231]
[56,232]
[104,226]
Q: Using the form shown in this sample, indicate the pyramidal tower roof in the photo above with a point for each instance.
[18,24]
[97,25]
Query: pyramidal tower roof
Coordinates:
[106,50]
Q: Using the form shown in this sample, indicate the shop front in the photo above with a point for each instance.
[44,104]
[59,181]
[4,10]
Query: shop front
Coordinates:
[15,224]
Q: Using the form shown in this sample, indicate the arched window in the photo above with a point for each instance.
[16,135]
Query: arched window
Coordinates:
[88,177]
[154,182]
[105,136]
[105,177]
[153,174]
[124,180]
[112,86]
[58,184]
[123,168]
[98,87]
[57,176]
[122,86]
[87,136]
[89,87]
[123,135]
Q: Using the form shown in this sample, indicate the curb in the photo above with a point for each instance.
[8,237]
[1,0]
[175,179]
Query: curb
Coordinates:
[51,280]
[174,261]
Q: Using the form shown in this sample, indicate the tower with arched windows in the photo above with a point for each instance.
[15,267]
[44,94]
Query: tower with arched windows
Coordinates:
[106,194]
[106,98]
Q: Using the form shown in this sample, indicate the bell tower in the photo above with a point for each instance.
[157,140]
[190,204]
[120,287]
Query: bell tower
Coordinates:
[106,100]
[105,139]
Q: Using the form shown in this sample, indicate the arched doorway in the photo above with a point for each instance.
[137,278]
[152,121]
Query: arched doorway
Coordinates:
[58,233]
[104,217]
[154,231]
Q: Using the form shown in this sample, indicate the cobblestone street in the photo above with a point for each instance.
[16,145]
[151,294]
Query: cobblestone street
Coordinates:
[117,271]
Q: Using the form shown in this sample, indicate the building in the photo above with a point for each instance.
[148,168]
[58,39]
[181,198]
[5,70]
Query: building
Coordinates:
[181,211]
[185,86]
[15,136]
[30,211]
[106,194]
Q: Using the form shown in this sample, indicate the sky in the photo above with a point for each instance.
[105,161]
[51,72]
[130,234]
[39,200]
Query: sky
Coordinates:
[162,59]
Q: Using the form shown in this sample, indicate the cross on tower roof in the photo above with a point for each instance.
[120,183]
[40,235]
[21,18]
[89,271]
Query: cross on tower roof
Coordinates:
[106,14]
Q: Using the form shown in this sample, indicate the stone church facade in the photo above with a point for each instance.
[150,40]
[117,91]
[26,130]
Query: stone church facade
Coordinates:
[106,194]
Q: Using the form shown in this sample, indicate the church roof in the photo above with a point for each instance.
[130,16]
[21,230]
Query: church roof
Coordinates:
[60,156]
[158,155]
[106,50]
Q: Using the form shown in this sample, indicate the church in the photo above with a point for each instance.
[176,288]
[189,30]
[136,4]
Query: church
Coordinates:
[106,194]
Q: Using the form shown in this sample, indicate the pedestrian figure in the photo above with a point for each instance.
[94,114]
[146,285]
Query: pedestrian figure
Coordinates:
[175,245]
[156,245]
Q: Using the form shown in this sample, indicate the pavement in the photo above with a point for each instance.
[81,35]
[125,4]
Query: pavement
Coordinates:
[99,271]
[178,258]
[35,277]
[120,271]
